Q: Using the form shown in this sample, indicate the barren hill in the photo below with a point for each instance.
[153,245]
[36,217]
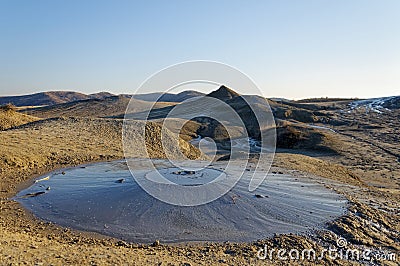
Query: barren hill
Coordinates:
[223,93]
[107,107]
[168,97]
[49,98]
[10,118]
[209,127]
[58,97]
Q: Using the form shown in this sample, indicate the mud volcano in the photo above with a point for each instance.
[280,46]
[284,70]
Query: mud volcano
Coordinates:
[104,198]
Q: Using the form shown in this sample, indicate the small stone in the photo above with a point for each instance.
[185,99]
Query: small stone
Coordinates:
[122,244]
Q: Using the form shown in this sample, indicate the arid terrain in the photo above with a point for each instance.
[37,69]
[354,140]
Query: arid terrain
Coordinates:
[350,146]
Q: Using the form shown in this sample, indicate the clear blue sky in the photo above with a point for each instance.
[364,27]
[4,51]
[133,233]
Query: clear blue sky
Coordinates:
[292,49]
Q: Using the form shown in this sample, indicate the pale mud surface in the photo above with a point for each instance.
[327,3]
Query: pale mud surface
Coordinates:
[91,198]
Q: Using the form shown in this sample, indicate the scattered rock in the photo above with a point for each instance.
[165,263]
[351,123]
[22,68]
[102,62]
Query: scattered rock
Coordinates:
[230,252]
[260,196]
[42,179]
[122,244]
[29,195]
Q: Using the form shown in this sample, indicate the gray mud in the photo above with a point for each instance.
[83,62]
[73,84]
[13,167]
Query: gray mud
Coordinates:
[91,198]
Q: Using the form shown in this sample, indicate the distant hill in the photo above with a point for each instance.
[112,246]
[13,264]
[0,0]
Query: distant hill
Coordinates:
[182,96]
[50,98]
[100,95]
[223,93]
[107,107]
[208,127]
[324,99]
[58,97]
[149,97]
[167,97]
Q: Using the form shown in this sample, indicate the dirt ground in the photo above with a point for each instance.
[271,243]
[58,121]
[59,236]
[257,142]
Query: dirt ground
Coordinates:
[372,221]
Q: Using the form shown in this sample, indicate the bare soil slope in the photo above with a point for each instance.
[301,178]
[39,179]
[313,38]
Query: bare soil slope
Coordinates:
[9,117]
